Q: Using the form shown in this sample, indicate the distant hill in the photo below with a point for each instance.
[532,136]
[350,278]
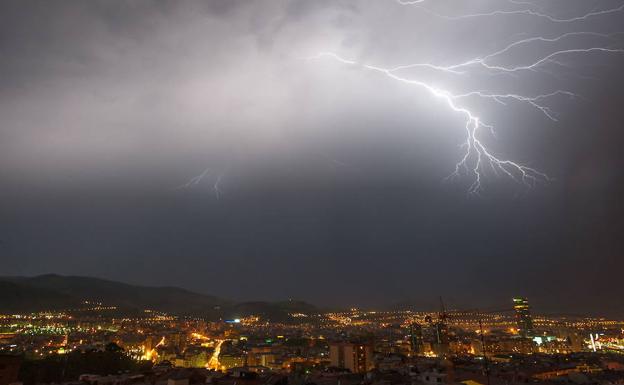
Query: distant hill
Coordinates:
[57,292]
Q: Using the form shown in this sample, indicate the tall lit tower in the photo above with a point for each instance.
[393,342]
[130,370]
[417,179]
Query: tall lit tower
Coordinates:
[523,316]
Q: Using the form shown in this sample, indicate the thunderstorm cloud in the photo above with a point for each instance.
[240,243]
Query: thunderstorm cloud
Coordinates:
[207,144]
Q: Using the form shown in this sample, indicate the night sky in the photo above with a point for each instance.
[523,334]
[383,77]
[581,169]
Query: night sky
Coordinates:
[323,181]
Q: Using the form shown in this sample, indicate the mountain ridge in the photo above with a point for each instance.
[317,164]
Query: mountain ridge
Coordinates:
[59,292]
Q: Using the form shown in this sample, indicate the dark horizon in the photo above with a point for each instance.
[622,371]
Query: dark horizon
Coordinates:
[274,150]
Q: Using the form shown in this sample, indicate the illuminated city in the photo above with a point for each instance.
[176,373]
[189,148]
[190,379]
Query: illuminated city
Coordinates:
[455,345]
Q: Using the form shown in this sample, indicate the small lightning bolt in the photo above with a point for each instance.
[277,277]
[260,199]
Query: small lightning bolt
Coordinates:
[199,178]
[195,180]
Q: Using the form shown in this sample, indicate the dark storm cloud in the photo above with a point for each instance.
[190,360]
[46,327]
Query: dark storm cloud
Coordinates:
[331,177]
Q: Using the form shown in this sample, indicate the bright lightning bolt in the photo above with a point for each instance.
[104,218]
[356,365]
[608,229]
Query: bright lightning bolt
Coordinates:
[477,156]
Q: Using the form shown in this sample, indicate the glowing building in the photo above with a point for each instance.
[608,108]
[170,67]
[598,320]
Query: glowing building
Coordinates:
[523,316]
